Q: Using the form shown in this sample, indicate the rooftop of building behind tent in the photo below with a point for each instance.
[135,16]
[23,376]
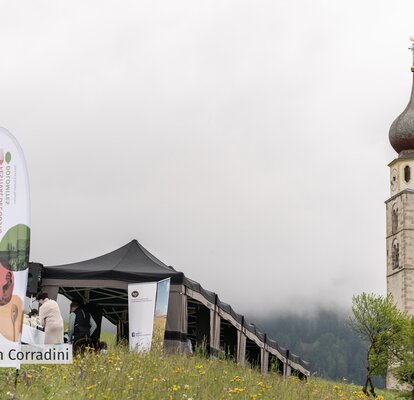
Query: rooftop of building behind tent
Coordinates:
[125,265]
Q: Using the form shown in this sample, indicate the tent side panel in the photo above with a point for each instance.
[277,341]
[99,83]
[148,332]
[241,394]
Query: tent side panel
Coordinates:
[241,347]
[214,332]
[264,361]
[176,329]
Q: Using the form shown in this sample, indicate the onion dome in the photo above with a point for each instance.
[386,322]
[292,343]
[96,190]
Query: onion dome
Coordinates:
[402,129]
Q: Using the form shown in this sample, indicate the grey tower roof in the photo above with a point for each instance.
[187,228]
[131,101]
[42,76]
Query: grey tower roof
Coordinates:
[402,130]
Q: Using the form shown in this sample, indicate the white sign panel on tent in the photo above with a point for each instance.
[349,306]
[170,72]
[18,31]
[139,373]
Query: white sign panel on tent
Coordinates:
[147,310]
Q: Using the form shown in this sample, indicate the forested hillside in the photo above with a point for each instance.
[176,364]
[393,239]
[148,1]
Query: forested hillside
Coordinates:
[324,339]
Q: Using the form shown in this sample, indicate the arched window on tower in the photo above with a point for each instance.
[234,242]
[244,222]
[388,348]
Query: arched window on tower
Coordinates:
[395,254]
[407,173]
[394,215]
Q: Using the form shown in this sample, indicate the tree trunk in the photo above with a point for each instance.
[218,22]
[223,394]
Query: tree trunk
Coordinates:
[372,390]
[365,387]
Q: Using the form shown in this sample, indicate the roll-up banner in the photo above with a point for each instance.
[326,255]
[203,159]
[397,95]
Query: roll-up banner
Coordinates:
[141,306]
[14,240]
[142,317]
[161,309]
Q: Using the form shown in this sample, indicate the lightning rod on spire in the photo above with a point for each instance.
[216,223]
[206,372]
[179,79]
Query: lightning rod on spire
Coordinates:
[412,50]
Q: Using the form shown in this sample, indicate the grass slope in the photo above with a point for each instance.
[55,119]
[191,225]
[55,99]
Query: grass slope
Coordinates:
[124,375]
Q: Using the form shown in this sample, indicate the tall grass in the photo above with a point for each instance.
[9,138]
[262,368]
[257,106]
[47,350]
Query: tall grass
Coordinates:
[121,374]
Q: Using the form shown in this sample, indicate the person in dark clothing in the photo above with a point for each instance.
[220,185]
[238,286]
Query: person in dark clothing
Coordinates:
[81,323]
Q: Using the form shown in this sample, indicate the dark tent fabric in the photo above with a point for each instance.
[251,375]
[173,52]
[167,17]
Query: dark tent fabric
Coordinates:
[229,310]
[123,264]
[193,285]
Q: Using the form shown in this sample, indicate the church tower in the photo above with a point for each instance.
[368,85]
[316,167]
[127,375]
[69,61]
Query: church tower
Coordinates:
[400,210]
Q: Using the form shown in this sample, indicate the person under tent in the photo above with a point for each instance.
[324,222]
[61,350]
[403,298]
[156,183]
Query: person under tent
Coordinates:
[81,323]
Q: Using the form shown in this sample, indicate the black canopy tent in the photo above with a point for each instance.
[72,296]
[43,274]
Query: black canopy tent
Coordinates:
[102,282]
[193,312]
[124,264]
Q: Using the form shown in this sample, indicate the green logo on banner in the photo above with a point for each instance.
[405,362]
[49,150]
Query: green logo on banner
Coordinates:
[8,157]
[14,247]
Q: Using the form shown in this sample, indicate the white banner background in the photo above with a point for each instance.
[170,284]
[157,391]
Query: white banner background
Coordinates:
[14,239]
[36,354]
[141,310]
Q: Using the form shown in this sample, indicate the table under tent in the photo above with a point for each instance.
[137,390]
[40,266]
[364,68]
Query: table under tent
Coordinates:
[194,313]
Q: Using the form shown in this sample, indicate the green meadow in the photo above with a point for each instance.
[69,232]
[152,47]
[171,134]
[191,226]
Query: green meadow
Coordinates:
[121,374]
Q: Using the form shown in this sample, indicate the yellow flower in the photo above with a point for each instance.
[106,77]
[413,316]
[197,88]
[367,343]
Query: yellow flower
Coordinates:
[237,390]
[361,395]
[90,387]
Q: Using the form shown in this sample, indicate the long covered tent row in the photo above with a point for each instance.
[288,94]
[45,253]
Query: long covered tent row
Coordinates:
[194,313]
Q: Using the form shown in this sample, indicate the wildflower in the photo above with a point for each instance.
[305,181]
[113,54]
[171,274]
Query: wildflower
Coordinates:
[237,390]
[90,387]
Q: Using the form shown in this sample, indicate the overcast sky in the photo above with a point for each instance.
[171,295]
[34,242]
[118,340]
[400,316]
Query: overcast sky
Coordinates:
[244,143]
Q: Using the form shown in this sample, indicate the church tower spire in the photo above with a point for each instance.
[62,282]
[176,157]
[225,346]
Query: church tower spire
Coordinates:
[400,213]
[402,129]
[400,209]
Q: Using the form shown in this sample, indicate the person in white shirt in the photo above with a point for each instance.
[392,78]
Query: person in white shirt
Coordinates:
[51,319]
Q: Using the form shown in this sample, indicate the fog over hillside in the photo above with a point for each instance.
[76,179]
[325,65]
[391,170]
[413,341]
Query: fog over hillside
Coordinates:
[324,339]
